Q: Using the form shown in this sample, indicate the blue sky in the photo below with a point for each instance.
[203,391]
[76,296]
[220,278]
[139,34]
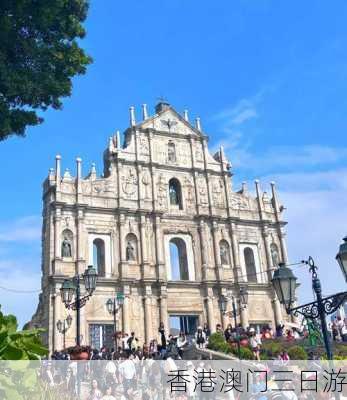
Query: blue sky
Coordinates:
[267,78]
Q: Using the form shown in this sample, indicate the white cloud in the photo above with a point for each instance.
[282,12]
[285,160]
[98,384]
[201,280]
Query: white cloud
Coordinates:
[22,229]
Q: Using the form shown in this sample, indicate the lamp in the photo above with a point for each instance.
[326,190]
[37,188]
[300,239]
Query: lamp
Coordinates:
[341,257]
[120,298]
[284,282]
[59,326]
[69,320]
[89,277]
[110,306]
[243,296]
[67,291]
[223,304]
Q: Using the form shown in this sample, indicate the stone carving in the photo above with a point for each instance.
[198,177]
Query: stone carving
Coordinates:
[146,181]
[224,253]
[198,154]
[129,182]
[267,202]
[66,249]
[169,123]
[274,255]
[144,147]
[130,252]
[217,193]
[203,197]
[190,191]
[238,202]
[162,196]
[171,152]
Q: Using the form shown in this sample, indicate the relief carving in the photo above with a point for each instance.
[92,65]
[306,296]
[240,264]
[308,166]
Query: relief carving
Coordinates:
[203,196]
[238,202]
[162,192]
[217,193]
[129,183]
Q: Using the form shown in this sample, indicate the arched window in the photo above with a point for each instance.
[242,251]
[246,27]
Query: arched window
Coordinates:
[224,252]
[274,255]
[250,265]
[178,260]
[175,193]
[99,256]
[67,244]
[171,152]
[131,247]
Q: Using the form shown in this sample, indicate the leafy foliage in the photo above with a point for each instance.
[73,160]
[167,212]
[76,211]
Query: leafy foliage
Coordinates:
[19,345]
[39,55]
[297,353]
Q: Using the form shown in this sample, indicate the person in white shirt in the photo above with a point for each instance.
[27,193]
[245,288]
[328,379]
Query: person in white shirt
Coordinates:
[127,372]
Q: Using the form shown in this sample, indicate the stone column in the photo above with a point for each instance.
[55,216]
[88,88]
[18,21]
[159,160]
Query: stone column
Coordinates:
[57,177]
[236,255]
[277,310]
[57,233]
[126,310]
[267,253]
[218,266]
[163,312]
[143,242]
[210,314]
[122,260]
[79,243]
[148,315]
[202,236]
[161,273]
[226,315]
[282,236]
[244,316]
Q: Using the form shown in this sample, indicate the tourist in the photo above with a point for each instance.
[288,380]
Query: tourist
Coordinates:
[181,343]
[206,330]
[253,341]
[228,333]
[200,337]
[108,394]
[95,392]
[162,338]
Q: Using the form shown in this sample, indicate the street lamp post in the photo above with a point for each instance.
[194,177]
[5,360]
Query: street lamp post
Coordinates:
[242,303]
[63,327]
[71,287]
[113,306]
[284,282]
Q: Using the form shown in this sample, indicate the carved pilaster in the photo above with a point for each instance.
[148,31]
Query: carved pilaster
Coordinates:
[236,254]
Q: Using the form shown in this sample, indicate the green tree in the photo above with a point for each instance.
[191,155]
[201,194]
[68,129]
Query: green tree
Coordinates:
[19,345]
[39,56]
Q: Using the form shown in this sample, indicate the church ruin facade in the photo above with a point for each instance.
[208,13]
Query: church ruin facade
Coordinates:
[163,226]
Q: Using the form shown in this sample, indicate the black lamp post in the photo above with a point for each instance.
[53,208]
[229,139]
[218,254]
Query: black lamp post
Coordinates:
[242,303]
[63,327]
[284,283]
[113,306]
[71,287]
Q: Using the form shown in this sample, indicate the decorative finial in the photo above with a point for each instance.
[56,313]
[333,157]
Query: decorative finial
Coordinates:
[79,167]
[185,115]
[198,124]
[118,139]
[132,116]
[144,112]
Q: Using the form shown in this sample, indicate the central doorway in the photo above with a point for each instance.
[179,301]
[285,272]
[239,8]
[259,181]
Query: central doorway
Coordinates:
[101,335]
[183,323]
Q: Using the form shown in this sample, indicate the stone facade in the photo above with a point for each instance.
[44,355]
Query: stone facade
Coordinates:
[162,188]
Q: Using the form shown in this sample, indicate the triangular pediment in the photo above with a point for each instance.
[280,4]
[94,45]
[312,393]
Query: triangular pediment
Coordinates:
[169,120]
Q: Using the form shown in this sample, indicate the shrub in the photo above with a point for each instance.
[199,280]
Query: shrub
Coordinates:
[297,353]
[246,353]
[271,349]
[215,341]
